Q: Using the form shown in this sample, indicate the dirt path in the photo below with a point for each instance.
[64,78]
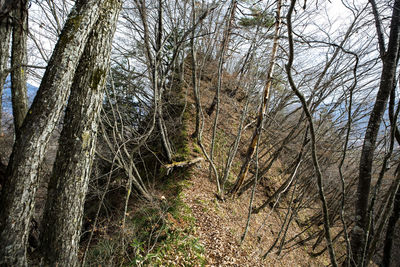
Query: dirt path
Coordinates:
[220,244]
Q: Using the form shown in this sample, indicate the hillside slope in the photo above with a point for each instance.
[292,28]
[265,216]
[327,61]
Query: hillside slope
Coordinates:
[220,225]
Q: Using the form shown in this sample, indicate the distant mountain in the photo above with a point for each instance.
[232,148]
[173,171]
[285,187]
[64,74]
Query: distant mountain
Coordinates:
[7,105]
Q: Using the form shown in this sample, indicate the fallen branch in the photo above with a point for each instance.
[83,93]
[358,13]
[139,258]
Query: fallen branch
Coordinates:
[185,163]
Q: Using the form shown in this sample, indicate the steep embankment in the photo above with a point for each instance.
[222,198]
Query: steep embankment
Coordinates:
[220,225]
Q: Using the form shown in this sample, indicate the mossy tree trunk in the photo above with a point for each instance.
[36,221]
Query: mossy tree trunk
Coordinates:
[21,183]
[69,181]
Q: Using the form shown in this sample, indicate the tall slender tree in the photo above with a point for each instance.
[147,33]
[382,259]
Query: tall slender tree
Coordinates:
[388,56]
[18,63]
[5,33]
[308,114]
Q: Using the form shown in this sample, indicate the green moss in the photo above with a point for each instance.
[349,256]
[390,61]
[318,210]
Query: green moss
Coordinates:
[196,148]
[72,25]
[182,153]
[76,21]
[173,224]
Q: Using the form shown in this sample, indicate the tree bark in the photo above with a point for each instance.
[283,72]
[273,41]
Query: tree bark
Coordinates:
[19,61]
[6,6]
[5,33]
[365,168]
[18,193]
[387,249]
[69,181]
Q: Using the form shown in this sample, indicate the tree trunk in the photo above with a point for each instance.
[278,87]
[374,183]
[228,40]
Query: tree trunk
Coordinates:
[230,17]
[159,83]
[5,33]
[225,43]
[69,181]
[18,64]
[252,148]
[387,250]
[309,117]
[18,193]
[196,91]
[367,154]
[285,186]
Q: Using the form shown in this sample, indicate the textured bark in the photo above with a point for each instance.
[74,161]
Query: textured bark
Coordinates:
[260,118]
[69,181]
[390,232]
[5,33]
[394,217]
[18,63]
[18,194]
[368,149]
[5,7]
[159,82]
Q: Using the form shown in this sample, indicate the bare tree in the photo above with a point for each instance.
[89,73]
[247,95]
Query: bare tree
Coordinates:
[388,56]
[312,135]
[263,108]
[230,16]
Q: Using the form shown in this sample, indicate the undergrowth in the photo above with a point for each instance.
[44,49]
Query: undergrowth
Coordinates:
[160,233]
[165,235]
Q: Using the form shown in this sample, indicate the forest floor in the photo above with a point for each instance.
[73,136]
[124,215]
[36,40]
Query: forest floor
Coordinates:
[220,225]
